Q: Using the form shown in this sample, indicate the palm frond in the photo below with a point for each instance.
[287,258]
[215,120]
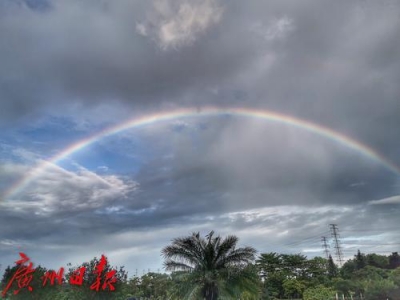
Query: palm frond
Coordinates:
[227,245]
[171,265]
[211,265]
[238,256]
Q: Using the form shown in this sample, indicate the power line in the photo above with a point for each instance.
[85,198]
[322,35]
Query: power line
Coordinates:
[347,252]
[298,242]
[367,230]
[377,244]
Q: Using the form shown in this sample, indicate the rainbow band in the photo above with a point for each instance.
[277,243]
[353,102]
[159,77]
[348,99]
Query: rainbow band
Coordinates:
[207,111]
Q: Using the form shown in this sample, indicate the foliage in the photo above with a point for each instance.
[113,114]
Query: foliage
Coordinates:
[85,292]
[317,271]
[346,287]
[213,266]
[395,276]
[380,289]
[332,268]
[378,261]
[348,269]
[319,293]
[278,269]
[154,285]
[360,260]
[394,260]
[293,288]
[370,273]
[38,290]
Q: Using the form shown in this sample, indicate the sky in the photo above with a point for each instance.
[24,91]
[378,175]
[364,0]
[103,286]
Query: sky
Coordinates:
[108,146]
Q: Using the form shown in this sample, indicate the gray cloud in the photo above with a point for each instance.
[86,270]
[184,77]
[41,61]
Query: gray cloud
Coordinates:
[92,53]
[334,63]
[97,62]
[55,190]
[176,24]
[389,200]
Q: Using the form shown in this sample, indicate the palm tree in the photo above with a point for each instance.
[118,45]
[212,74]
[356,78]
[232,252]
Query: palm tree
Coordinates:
[211,268]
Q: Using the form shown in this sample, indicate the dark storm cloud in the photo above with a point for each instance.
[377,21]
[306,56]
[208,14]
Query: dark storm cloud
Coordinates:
[266,164]
[155,208]
[93,52]
[339,67]
[216,176]
[332,62]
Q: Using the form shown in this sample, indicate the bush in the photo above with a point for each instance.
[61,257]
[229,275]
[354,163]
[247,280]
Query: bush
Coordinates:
[319,292]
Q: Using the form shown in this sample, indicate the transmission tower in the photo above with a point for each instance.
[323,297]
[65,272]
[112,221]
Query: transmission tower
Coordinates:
[325,246]
[336,239]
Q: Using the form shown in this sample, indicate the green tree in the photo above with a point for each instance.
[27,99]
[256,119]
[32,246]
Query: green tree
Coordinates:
[346,287]
[378,261]
[395,276]
[277,269]
[154,285]
[271,270]
[360,260]
[332,268]
[38,290]
[294,265]
[367,279]
[269,263]
[394,260]
[319,293]
[293,288]
[213,267]
[370,273]
[380,289]
[133,288]
[348,269]
[90,276]
[316,271]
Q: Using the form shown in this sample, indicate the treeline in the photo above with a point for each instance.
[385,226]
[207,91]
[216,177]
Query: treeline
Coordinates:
[369,277]
[214,268]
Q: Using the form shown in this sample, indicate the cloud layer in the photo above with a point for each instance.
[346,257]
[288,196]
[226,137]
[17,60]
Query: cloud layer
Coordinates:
[72,68]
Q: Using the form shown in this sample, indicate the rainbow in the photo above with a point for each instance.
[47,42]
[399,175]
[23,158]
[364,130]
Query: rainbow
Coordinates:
[207,111]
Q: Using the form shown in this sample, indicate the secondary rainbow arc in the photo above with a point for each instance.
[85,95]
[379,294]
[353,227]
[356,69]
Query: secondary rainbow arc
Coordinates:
[206,111]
